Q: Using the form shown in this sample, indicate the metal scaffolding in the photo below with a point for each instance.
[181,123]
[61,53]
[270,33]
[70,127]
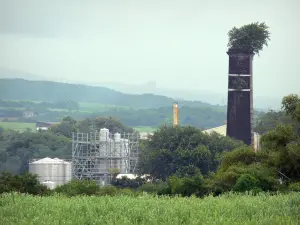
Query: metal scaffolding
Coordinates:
[96,155]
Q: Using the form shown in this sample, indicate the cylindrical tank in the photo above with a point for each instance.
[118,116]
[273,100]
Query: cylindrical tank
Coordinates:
[123,154]
[41,168]
[116,154]
[49,184]
[117,144]
[117,137]
[104,134]
[49,169]
[68,172]
[58,171]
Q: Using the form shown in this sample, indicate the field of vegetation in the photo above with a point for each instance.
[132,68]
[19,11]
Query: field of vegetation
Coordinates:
[226,209]
[18,126]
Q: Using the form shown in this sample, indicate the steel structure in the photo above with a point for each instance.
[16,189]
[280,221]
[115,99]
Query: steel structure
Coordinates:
[96,155]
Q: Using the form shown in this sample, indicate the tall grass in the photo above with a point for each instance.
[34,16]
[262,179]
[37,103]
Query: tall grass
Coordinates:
[226,209]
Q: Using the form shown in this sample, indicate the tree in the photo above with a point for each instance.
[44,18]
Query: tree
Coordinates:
[270,120]
[283,143]
[16,149]
[291,105]
[182,151]
[249,38]
[244,170]
[65,128]
[27,183]
[279,159]
[112,124]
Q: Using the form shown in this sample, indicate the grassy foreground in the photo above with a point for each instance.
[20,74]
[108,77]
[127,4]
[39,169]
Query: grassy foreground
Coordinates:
[227,209]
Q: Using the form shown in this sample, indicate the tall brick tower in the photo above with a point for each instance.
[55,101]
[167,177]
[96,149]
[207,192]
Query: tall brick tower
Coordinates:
[240,96]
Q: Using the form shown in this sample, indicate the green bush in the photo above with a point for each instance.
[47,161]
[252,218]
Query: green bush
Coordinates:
[27,183]
[227,180]
[127,191]
[193,186]
[176,185]
[294,186]
[160,188]
[78,187]
[246,182]
[126,182]
[108,190]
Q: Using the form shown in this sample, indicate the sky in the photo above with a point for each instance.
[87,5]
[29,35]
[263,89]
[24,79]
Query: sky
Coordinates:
[176,44]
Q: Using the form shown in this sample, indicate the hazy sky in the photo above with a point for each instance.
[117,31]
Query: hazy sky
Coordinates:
[178,44]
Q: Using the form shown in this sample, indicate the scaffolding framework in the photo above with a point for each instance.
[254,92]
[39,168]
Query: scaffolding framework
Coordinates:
[96,155]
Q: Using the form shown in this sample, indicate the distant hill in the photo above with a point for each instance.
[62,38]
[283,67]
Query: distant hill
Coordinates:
[20,89]
[12,74]
[191,94]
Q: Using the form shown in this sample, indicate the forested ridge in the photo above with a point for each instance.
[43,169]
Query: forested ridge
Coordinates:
[19,89]
[51,101]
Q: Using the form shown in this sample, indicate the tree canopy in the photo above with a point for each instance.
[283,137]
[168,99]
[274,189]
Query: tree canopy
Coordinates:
[183,151]
[279,159]
[249,38]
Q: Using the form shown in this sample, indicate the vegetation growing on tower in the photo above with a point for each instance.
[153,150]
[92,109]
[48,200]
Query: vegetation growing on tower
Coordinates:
[249,38]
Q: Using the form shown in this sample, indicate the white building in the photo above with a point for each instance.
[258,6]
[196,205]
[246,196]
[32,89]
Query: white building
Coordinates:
[222,131]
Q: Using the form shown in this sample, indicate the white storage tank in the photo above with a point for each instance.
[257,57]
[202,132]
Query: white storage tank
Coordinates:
[49,184]
[123,152]
[104,134]
[40,168]
[116,152]
[117,137]
[54,170]
[68,172]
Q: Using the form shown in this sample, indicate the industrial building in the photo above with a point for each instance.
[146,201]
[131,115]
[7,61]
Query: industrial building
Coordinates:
[51,172]
[223,129]
[97,155]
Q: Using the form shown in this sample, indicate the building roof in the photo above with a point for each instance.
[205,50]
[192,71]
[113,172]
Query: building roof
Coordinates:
[48,160]
[145,135]
[220,130]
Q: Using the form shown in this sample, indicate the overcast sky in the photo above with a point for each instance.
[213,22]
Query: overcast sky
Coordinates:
[178,44]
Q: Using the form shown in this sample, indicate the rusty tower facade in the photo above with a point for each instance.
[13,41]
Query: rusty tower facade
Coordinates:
[240,96]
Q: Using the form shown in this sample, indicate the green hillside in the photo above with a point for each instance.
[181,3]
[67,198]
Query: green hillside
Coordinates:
[52,101]
[19,89]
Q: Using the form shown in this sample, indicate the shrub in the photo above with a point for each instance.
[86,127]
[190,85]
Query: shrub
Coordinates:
[160,188]
[246,182]
[226,180]
[127,191]
[27,183]
[125,182]
[78,187]
[294,186]
[108,190]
